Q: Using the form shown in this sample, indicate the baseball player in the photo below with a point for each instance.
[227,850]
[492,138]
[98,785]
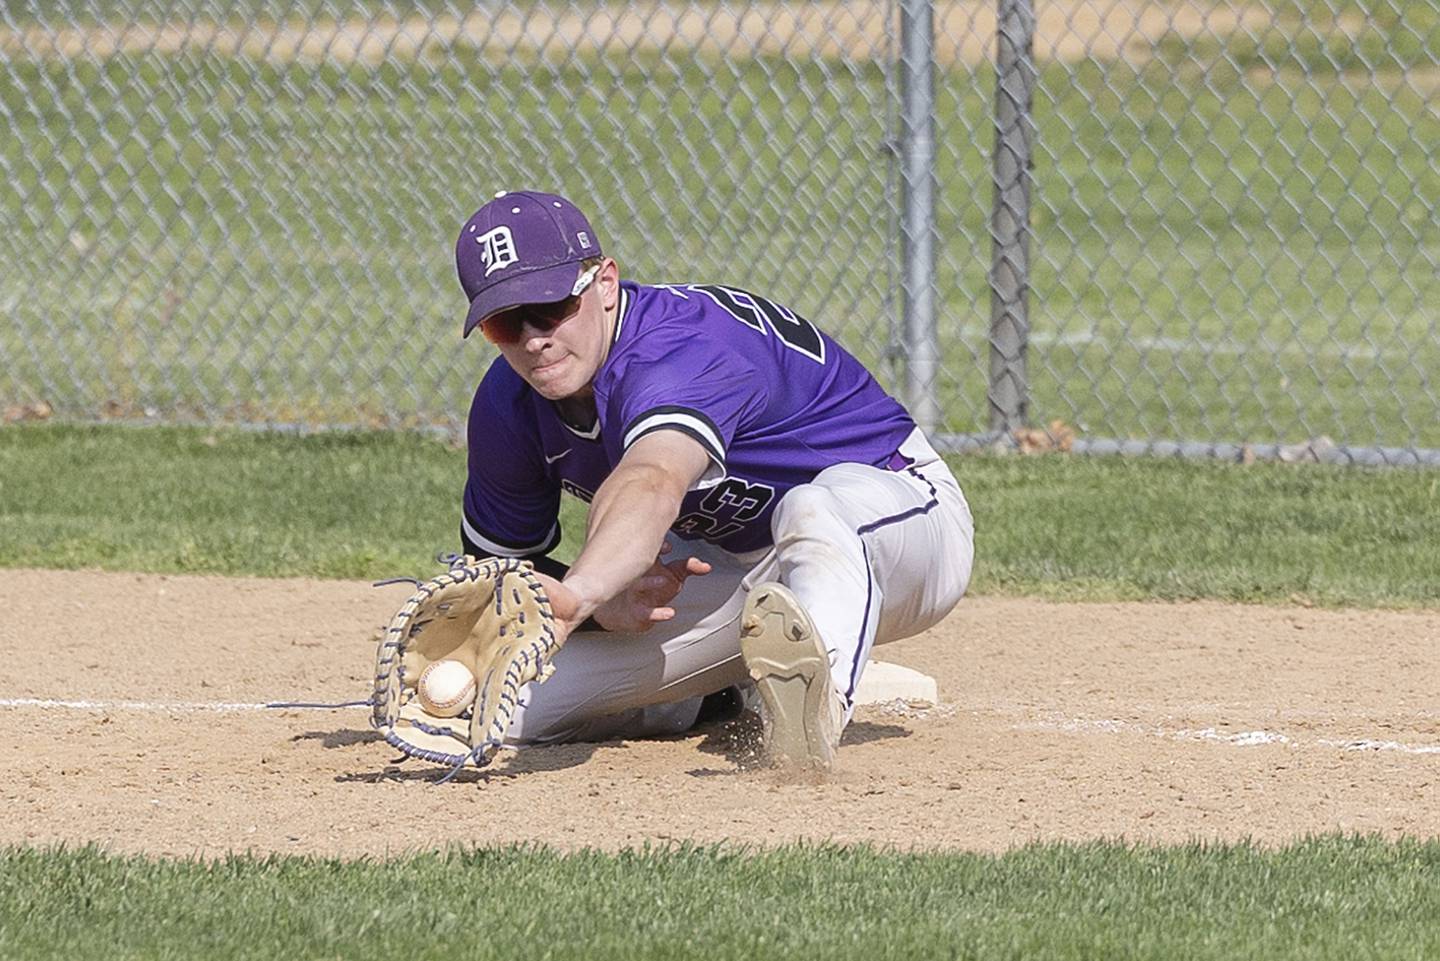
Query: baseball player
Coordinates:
[760,509]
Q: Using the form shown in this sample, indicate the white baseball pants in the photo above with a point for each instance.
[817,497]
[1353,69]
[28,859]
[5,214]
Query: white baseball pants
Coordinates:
[874,555]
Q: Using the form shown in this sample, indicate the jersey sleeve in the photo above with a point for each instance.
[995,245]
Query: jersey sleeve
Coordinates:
[697,385]
[511,508]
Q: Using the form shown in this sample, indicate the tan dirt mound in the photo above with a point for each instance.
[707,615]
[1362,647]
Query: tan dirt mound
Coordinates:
[132,702]
[964,32]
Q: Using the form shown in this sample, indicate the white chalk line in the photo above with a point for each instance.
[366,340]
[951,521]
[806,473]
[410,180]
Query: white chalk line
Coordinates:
[1332,350]
[1066,725]
[162,707]
[1238,739]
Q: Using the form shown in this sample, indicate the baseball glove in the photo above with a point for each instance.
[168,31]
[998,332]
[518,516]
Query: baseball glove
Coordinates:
[492,616]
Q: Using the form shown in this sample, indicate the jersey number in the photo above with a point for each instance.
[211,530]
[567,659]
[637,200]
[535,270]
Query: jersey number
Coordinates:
[725,509]
[756,312]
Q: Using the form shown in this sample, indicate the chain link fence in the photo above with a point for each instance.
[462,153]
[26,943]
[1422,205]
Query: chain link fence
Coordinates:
[1232,242]
[1185,227]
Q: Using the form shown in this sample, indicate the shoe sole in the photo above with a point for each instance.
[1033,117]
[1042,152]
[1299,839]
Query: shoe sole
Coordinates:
[791,669]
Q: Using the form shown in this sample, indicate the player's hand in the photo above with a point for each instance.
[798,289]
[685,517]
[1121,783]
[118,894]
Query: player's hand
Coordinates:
[564,606]
[646,601]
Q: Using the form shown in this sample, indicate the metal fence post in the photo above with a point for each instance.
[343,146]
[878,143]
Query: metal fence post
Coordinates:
[1227,260]
[1009,393]
[917,218]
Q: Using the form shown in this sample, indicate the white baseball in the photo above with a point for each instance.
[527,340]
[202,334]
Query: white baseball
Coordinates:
[446,688]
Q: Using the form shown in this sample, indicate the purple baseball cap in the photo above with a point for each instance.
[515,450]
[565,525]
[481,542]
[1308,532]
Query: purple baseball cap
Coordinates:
[523,247]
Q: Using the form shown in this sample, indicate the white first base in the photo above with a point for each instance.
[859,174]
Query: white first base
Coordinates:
[882,683]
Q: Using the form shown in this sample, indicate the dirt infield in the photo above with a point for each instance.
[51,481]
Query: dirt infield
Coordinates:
[855,30]
[134,714]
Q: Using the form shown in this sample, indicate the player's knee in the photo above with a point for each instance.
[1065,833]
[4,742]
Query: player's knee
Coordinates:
[803,511]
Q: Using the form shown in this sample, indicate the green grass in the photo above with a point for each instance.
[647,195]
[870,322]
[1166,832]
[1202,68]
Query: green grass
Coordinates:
[1216,256]
[375,505]
[1090,528]
[1325,898]
[207,236]
[1327,38]
[331,505]
[380,504]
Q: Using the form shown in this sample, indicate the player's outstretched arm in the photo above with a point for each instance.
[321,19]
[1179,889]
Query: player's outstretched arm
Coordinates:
[629,518]
[646,600]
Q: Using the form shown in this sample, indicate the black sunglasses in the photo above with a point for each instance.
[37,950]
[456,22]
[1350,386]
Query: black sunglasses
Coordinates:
[508,326]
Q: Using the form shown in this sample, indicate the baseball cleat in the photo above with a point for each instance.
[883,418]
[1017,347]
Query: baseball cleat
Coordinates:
[784,654]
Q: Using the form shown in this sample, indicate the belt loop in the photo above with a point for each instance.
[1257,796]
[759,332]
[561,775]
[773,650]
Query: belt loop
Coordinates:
[898,462]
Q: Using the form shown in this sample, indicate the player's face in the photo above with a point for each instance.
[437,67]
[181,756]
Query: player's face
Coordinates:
[557,348]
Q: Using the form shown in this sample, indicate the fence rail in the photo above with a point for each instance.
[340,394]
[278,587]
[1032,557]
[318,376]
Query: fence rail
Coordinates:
[1188,227]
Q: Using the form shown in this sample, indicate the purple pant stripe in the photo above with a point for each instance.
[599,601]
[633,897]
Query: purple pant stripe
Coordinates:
[860,644]
[925,508]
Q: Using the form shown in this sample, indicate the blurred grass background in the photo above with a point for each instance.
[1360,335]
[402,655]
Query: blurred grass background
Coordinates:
[1234,233]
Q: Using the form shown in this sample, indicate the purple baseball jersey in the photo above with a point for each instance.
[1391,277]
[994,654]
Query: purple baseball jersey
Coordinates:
[771,398]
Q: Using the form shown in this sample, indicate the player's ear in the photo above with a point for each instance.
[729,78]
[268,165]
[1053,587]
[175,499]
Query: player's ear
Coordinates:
[608,281]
